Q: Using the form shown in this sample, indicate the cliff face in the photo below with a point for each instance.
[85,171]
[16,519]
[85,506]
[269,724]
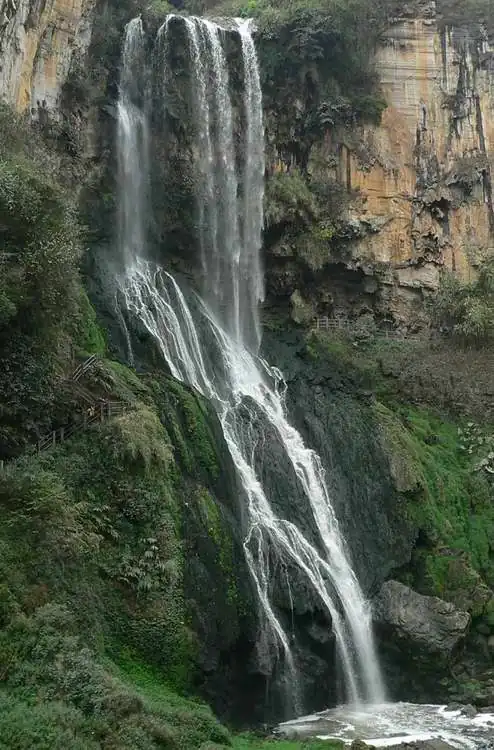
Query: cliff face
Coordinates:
[406,195]
[419,185]
[38,41]
[426,180]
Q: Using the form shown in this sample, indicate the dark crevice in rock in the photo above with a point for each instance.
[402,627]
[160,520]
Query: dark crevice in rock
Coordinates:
[486,173]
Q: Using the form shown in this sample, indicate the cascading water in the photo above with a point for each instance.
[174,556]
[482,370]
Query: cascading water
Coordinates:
[253,186]
[213,344]
[133,144]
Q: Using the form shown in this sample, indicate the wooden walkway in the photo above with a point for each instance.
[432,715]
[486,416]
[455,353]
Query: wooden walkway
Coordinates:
[84,367]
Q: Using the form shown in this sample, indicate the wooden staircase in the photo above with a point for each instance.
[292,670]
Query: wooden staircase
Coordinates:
[97,410]
[101,412]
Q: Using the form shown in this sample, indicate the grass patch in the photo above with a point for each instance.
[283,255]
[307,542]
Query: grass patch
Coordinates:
[251,742]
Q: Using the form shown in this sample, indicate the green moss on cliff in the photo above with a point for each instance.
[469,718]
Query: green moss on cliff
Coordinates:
[93,549]
[197,443]
[449,503]
[89,336]
[446,497]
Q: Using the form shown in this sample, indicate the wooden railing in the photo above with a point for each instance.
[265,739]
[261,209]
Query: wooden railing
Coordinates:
[96,411]
[84,367]
[324,323]
[78,390]
[99,413]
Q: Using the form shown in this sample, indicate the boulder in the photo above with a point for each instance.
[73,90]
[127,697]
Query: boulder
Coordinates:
[424,623]
[469,711]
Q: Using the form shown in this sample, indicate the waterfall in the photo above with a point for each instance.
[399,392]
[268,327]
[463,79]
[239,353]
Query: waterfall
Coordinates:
[211,344]
[133,145]
[250,270]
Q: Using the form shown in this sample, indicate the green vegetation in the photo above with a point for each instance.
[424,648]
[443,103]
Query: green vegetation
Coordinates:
[466,12]
[58,692]
[467,308]
[41,302]
[98,630]
[316,64]
[89,335]
[451,504]
[96,640]
[250,742]
[308,215]
[289,199]
[118,552]
[442,469]
[274,14]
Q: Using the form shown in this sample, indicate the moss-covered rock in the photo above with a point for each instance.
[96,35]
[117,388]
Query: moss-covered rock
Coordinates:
[132,527]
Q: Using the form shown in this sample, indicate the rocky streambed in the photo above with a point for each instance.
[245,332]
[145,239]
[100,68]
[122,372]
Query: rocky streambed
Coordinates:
[405,725]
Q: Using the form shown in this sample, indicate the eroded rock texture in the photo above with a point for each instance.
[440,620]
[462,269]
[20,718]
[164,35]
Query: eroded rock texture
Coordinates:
[38,41]
[425,177]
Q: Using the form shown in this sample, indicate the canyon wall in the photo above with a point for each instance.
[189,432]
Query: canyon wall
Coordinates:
[424,176]
[406,167]
[419,184]
[38,41]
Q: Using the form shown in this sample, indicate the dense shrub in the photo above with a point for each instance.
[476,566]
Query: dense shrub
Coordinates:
[466,12]
[59,692]
[92,553]
[39,283]
[467,309]
[45,726]
[289,200]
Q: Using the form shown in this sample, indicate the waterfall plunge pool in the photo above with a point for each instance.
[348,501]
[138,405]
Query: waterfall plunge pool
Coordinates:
[390,724]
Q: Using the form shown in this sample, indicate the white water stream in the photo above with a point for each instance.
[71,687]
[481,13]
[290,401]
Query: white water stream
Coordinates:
[213,345]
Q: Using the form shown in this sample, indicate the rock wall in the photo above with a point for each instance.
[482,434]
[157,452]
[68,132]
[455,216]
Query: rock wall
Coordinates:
[38,41]
[424,175]
[378,206]
[420,182]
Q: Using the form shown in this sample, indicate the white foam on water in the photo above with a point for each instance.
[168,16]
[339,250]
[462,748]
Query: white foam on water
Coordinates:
[390,724]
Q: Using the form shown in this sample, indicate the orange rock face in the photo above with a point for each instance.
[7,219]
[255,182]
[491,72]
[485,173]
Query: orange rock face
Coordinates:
[436,135]
[37,44]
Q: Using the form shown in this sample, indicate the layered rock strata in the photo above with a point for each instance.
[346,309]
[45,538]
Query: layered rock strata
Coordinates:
[38,42]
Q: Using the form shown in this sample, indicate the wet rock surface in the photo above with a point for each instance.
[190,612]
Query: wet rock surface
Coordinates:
[330,407]
[423,622]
